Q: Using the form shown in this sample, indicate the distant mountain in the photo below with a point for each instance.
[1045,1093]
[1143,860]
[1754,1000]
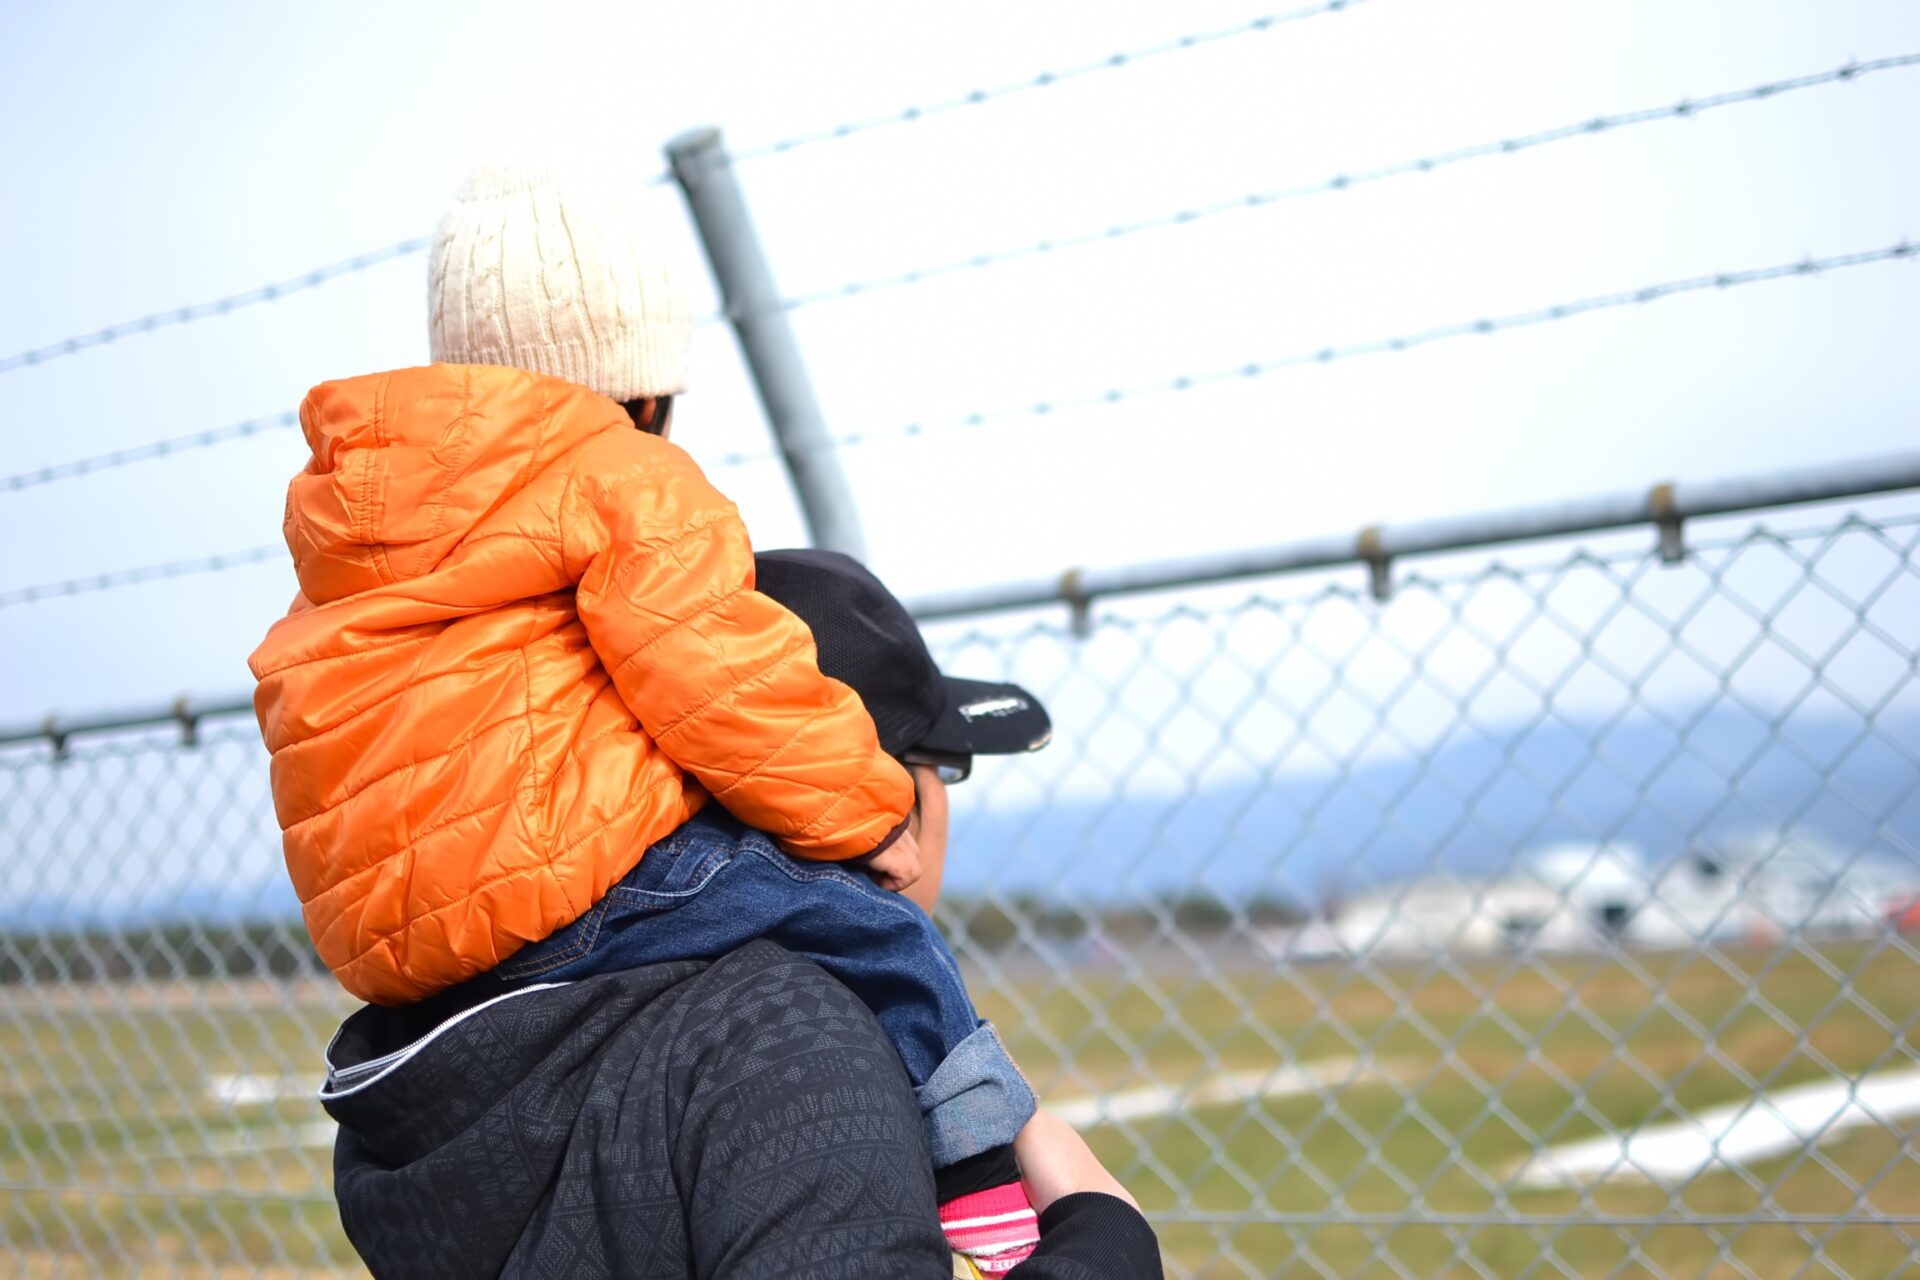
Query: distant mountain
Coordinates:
[1473,807]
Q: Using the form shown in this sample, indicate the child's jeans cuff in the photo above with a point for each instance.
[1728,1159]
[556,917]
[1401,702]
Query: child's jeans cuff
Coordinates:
[975,1100]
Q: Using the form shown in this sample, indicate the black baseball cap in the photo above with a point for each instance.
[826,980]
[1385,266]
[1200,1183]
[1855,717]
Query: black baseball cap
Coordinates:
[868,641]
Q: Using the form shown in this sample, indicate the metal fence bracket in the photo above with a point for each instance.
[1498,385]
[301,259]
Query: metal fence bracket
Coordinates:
[188,720]
[1665,514]
[1073,591]
[1370,549]
[56,737]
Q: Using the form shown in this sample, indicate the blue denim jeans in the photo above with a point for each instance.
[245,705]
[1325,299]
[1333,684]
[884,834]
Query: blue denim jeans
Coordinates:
[715,885]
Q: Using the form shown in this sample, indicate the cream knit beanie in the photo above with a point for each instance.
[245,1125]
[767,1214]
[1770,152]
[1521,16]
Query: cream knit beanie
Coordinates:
[538,273]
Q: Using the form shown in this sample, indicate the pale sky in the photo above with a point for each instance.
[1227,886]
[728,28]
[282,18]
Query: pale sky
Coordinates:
[167,155]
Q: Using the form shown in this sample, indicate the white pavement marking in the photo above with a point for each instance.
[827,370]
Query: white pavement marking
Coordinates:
[1235,1086]
[258,1090]
[253,1089]
[1081,1113]
[1723,1138]
[316,1133]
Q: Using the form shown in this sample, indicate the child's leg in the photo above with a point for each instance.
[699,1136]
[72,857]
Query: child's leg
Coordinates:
[714,886]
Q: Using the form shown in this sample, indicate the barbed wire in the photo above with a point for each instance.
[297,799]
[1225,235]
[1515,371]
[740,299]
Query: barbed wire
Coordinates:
[223,435]
[145,452]
[1044,79]
[216,307]
[1403,342]
[237,431]
[1684,109]
[145,573]
[1253,200]
[1185,382]
[905,115]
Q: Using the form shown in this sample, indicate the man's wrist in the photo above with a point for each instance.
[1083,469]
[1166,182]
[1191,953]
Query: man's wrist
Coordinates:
[1102,1233]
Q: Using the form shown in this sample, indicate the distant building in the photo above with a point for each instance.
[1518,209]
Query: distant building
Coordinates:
[1802,883]
[1576,897]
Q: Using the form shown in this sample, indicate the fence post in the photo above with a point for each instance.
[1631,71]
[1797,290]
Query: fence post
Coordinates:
[705,174]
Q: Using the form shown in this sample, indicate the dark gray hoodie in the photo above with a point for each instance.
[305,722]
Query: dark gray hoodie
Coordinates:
[743,1118]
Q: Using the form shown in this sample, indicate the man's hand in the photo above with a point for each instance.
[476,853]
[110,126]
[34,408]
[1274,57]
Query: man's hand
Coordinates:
[898,865]
[1055,1161]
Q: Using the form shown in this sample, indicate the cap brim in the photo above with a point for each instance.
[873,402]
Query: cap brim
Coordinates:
[985,719]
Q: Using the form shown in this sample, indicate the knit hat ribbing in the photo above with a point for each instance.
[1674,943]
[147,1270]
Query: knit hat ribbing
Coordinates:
[537,273]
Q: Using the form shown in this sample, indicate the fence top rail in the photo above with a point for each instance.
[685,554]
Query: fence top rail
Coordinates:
[1663,506]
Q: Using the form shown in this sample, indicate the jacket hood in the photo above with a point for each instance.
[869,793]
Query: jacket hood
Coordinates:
[670,1120]
[409,1080]
[404,464]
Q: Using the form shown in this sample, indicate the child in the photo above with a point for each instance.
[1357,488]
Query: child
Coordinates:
[527,648]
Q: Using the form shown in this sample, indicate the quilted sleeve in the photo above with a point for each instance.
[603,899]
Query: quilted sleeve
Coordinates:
[724,679]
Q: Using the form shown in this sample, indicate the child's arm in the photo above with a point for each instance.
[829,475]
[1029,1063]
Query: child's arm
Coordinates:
[724,679]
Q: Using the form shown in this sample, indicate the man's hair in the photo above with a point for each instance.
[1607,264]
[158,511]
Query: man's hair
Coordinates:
[637,407]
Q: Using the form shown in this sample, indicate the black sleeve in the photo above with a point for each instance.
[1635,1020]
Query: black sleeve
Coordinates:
[1090,1236]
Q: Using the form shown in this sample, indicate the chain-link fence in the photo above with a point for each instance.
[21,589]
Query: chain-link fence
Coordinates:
[1552,916]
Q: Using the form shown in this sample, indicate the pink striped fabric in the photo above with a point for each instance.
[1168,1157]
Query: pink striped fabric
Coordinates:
[996,1228]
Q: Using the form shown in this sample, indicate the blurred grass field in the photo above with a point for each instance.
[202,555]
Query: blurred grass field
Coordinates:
[1438,1080]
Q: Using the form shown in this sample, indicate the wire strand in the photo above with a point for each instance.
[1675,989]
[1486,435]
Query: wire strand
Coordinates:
[1684,109]
[217,306]
[232,302]
[225,435]
[145,452]
[1044,79]
[145,573]
[1403,342]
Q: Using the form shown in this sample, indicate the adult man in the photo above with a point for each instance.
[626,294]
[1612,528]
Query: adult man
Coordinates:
[746,1118]
[739,1118]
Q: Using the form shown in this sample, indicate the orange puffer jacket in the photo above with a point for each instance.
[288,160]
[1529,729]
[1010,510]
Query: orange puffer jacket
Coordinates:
[526,646]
